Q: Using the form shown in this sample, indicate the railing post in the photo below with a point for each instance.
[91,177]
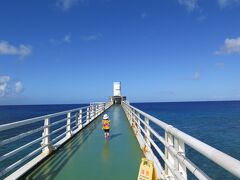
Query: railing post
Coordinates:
[138,122]
[88,116]
[128,111]
[180,148]
[90,113]
[168,155]
[103,108]
[131,117]
[46,140]
[147,136]
[68,129]
[80,119]
[94,111]
[134,123]
[98,109]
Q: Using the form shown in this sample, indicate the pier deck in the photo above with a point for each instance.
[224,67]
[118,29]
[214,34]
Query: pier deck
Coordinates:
[89,156]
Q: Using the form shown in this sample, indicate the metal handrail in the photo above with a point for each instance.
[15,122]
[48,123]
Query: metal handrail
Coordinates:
[74,123]
[21,136]
[227,162]
[36,119]
[190,165]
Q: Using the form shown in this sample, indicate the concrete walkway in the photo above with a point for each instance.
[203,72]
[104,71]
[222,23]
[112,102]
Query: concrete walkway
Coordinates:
[89,156]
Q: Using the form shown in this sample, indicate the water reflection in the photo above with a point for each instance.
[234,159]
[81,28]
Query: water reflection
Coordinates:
[105,151]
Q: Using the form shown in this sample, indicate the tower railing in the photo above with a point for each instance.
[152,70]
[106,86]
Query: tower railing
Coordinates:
[54,129]
[176,162]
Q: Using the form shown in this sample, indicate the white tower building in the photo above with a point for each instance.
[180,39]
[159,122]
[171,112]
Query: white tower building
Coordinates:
[117,97]
[117,89]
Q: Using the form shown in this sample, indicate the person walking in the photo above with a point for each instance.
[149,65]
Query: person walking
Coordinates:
[106,126]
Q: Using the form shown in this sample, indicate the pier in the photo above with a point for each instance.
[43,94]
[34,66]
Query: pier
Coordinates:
[117,159]
[71,145]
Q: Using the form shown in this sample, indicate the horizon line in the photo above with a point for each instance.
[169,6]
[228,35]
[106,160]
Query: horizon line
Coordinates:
[45,104]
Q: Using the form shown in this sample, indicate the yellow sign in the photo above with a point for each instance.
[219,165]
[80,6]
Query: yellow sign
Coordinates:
[146,170]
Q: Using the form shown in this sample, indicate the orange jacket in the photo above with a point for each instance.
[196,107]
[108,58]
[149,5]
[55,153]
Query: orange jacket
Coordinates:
[106,124]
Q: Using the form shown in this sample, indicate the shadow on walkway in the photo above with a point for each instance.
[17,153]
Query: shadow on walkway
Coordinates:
[57,161]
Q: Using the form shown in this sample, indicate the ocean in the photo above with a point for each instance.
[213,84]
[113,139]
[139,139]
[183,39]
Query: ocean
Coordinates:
[215,123]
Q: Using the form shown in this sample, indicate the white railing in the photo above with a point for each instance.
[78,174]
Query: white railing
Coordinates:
[174,156]
[69,122]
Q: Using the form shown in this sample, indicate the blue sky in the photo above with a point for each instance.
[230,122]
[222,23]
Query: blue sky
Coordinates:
[71,51]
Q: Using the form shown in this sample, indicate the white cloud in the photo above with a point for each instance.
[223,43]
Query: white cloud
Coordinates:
[231,46]
[225,3]
[196,76]
[9,87]
[3,85]
[66,39]
[8,49]
[67,4]
[190,5]
[18,87]
[92,37]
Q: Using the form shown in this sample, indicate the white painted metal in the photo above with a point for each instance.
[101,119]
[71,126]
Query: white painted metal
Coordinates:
[88,115]
[75,121]
[191,167]
[147,136]
[46,141]
[180,148]
[20,136]
[4,127]
[117,89]
[169,157]
[149,153]
[68,129]
[176,162]
[80,119]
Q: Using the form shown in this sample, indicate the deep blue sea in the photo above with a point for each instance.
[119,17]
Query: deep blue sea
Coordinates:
[215,123]
[10,114]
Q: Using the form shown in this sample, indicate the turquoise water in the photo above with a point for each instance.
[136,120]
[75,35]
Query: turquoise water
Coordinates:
[215,123]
